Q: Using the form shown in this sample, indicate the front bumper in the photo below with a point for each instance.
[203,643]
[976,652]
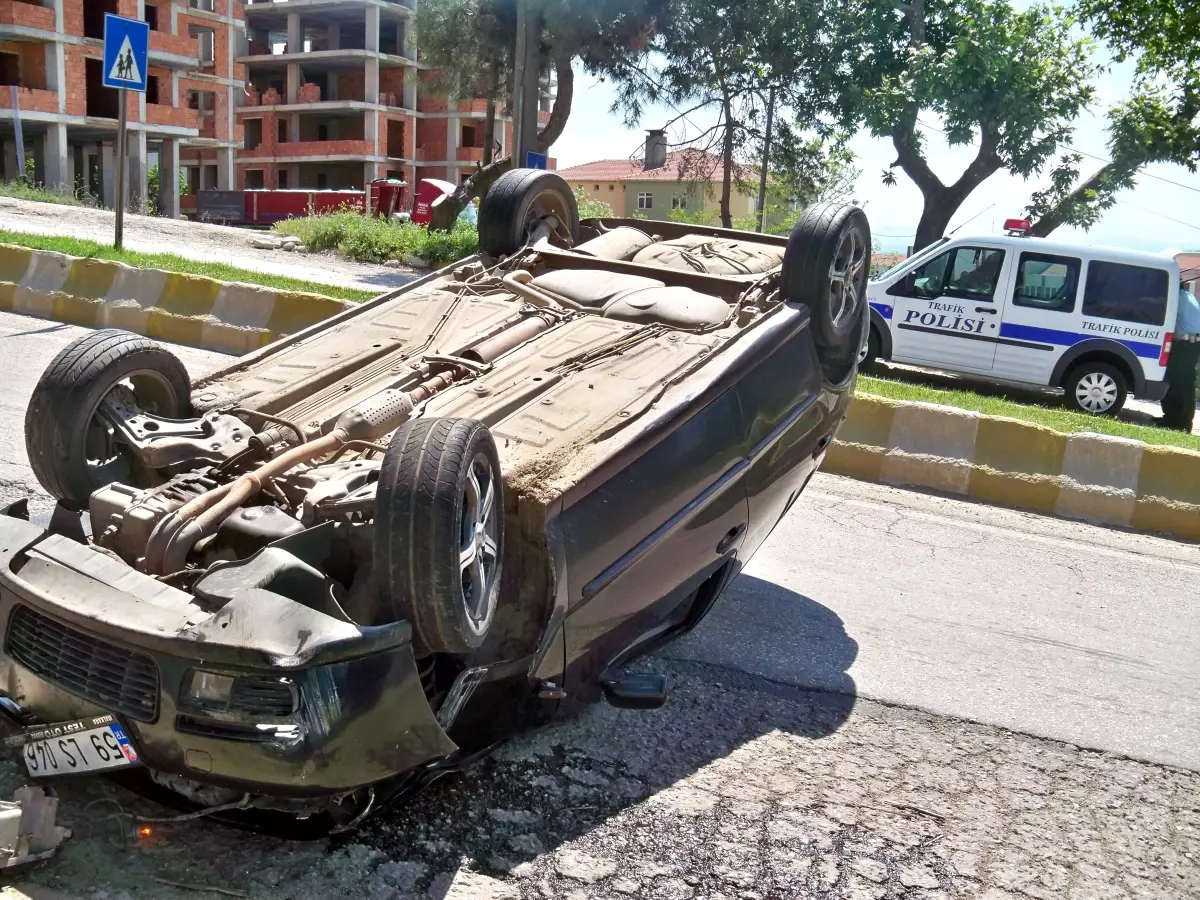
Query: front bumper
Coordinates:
[361,714]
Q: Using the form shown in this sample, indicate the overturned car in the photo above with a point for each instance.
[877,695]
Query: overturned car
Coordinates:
[358,558]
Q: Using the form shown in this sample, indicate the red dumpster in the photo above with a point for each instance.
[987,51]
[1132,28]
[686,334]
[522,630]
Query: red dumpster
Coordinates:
[429,191]
[388,196]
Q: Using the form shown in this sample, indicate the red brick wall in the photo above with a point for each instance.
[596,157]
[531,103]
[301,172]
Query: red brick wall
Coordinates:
[32,63]
[352,85]
[76,79]
[26,14]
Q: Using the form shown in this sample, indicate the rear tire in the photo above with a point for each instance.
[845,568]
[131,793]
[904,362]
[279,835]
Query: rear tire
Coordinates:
[517,201]
[825,267]
[869,354]
[70,448]
[439,532]
[1096,388]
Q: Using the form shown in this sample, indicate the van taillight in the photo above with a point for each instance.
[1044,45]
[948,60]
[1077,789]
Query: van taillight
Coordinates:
[1166,353]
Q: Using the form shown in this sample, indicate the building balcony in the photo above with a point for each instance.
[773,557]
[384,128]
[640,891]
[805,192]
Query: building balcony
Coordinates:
[26,15]
[30,100]
[171,116]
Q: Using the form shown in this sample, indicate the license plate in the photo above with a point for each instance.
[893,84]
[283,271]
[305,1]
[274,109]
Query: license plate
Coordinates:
[89,745]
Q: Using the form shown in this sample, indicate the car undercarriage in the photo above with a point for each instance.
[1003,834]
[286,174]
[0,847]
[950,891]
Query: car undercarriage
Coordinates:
[351,561]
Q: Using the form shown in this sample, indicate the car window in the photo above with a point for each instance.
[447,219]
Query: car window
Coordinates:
[974,273]
[912,259]
[1047,282]
[925,281]
[1127,293]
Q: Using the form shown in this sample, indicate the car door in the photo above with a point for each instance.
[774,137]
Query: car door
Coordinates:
[947,312]
[641,545]
[788,425]
[1040,319]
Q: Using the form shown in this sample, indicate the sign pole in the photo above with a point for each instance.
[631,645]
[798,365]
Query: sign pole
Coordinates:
[122,149]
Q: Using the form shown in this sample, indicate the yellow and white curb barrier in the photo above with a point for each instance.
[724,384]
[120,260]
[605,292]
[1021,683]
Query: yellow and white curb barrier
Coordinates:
[1093,477]
[167,306]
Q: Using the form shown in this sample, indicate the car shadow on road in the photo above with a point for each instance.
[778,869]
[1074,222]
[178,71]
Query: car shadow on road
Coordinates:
[768,664]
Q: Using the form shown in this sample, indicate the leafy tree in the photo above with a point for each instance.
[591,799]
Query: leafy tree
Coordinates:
[735,60]
[471,44]
[1159,123]
[1009,81]
[592,209]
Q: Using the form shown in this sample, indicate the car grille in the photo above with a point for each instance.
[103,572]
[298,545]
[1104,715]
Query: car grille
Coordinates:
[116,679]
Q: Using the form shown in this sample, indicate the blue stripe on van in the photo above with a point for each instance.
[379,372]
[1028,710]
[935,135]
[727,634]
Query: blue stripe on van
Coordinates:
[1070,338]
[884,309]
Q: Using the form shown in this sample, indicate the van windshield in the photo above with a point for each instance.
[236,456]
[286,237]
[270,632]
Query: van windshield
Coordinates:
[904,264]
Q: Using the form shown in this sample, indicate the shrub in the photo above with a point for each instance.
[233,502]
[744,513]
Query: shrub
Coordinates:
[371,239]
[592,209]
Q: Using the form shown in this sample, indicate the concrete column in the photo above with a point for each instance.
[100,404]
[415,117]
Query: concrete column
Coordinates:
[79,169]
[294,128]
[295,34]
[138,172]
[373,29]
[293,82]
[168,178]
[410,88]
[226,171]
[55,153]
[453,138]
[108,175]
[10,161]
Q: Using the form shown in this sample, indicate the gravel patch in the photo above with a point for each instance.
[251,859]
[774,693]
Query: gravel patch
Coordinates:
[197,240]
[749,791]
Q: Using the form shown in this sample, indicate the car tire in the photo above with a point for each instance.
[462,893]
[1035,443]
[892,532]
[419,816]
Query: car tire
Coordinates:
[826,267]
[431,512]
[61,427]
[869,354]
[1096,388]
[516,201]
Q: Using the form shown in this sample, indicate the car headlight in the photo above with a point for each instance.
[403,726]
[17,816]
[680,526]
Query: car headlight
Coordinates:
[261,696]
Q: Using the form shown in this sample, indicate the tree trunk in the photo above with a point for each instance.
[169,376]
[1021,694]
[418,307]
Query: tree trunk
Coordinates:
[766,162]
[935,218]
[727,165]
[1058,216]
[446,213]
[489,122]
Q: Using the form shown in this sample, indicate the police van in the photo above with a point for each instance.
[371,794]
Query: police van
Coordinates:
[1028,311]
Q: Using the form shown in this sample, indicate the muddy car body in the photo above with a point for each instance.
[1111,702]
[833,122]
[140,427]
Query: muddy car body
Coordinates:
[348,562]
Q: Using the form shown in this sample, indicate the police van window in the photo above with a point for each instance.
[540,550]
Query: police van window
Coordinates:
[925,281]
[1047,282]
[974,274]
[1128,293]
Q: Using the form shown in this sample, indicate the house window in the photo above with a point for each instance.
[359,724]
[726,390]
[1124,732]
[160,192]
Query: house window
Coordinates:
[152,17]
[645,201]
[283,179]
[612,187]
[152,89]
[596,187]
[322,181]
[254,179]
[678,202]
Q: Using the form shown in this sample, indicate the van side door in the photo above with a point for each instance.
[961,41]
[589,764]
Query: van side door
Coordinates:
[1041,318]
[947,311]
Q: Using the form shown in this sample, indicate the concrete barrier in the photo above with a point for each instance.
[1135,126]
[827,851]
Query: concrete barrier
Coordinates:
[168,306]
[1093,477]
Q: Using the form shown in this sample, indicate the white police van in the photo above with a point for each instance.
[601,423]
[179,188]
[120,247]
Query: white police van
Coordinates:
[1028,311]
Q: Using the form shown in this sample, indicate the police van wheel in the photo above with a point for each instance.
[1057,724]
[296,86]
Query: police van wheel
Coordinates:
[1096,388]
[869,354]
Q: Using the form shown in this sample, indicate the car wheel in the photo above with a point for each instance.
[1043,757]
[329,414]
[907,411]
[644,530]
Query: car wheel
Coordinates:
[439,532]
[517,202]
[72,449]
[825,267]
[870,350]
[1096,388]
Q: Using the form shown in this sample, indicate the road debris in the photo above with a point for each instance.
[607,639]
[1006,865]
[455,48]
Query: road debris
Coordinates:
[27,830]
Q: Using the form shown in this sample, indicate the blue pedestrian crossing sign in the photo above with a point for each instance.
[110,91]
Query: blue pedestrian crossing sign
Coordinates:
[126,46]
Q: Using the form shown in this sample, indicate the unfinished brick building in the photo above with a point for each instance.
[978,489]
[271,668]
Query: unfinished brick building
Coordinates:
[334,99]
[52,97]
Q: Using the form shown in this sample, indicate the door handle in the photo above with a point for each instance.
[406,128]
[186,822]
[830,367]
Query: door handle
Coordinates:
[985,309]
[822,445]
[728,540]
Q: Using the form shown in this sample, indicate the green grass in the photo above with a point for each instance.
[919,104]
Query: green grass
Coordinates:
[20,190]
[371,239]
[1057,418]
[171,263]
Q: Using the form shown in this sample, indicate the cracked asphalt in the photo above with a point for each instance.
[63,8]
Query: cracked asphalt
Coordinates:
[904,696]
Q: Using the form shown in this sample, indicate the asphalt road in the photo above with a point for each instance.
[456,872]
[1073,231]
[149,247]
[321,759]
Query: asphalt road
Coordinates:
[1056,629]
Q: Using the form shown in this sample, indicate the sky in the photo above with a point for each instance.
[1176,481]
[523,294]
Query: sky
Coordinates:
[1155,215]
